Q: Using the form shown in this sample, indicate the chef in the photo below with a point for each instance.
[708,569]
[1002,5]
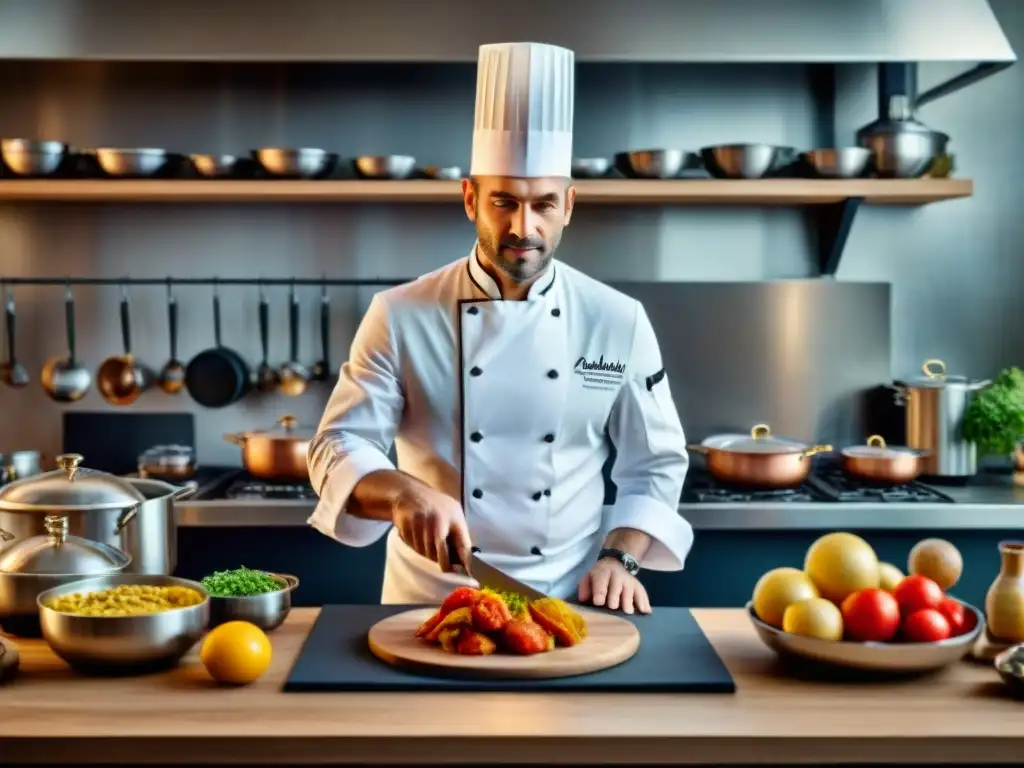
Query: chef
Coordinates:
[503,380]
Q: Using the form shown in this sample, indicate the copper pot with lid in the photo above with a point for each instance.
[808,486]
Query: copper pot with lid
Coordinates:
[882,464]
[276,454]
[759,460]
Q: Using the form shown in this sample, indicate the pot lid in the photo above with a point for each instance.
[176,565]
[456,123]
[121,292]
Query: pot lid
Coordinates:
[287,428]
[877,449]
[58,553]
[935,376]
[70,488]
[170,456]
[899,120]
[760,440]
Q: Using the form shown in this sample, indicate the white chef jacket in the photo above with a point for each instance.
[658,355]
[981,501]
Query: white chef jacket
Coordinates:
[507,406]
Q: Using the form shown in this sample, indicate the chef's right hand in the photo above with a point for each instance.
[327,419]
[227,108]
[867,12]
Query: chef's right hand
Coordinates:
[428,520]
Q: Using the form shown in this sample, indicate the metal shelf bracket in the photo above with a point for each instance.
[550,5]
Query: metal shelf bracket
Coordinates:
[834,223]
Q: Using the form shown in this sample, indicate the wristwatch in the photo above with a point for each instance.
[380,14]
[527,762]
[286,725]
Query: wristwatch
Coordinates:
[630,563]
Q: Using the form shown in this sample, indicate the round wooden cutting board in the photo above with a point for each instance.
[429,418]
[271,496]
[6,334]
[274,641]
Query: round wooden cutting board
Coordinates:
[611,640]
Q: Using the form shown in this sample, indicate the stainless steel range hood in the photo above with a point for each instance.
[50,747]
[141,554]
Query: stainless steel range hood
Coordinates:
[829,31]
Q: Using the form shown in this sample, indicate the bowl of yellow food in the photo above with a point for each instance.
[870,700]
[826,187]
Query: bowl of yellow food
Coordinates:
[124,624]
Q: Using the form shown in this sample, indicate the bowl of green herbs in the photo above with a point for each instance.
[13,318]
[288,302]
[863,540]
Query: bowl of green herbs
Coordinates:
[994,420]
[244,594]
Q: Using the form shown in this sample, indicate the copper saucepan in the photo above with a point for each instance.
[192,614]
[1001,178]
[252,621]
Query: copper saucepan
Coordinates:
[760,460]
[880,464]
[121,379]
[276,454]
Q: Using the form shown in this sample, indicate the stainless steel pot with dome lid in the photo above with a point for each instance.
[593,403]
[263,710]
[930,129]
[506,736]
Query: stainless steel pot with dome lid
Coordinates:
[43,562]
[97,505]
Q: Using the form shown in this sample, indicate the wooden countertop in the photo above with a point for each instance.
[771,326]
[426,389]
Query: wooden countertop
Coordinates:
[961,715]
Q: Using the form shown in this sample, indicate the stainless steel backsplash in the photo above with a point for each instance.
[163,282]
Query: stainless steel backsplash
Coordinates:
[803,356]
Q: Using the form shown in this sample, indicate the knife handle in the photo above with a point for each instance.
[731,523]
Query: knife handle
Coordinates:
[453,555]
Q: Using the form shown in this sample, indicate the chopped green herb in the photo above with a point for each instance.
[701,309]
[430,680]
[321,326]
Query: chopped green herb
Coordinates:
[241,582]
[995,416]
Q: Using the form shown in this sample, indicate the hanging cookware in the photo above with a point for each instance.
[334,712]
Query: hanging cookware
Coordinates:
[217,377]
[122,379]
[294,376]
[172,376]
[64,378]
[43,562]
[266,375]
[759,460]
[276,454]
[881,464]
[13,373]
[322,368]
[935,407]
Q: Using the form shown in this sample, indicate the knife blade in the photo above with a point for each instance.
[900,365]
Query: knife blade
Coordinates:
[499,581]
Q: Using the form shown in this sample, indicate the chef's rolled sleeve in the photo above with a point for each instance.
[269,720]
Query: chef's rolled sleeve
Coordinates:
[357,429]
[651,460]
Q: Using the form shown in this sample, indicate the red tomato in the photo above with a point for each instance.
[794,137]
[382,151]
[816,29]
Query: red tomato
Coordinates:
[925,626]
[871,615]
[955,614]
[915,593]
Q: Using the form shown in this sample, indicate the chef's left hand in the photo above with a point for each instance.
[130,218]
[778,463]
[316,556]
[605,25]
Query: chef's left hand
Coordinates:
[608,584]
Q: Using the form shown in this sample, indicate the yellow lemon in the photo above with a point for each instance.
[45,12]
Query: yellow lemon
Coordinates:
[236,652]
[889,576]
[777,590]
[816,617]
[840,564]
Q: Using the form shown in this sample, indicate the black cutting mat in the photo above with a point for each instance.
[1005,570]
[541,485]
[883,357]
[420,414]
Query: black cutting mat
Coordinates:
[674,657]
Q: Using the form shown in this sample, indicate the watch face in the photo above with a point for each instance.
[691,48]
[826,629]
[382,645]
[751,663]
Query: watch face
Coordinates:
[632,566]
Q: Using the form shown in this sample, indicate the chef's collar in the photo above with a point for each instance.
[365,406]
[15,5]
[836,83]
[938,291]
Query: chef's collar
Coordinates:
[492,290]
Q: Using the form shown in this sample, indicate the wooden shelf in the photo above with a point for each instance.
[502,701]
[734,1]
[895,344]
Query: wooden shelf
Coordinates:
[768,192]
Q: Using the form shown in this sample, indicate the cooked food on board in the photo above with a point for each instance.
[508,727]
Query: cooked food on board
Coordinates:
[479,622]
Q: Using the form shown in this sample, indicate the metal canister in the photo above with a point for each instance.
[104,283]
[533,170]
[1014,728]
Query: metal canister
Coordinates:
[936,404]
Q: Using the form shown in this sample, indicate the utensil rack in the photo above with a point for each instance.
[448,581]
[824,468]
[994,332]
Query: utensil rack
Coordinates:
[217,281]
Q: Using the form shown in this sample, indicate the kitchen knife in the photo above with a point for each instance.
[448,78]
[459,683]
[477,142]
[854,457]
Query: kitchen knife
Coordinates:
[491,577]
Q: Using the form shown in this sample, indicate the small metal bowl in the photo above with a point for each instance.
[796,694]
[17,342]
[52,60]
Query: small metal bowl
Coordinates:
[590,167]
[446,173]
[742,161]
[213,166]
[123,644]
[385,166]
[884,658]
[656,163]
[841,163]
[303,163]
[267,611]
[27,157]
[131,162]
[1010,666]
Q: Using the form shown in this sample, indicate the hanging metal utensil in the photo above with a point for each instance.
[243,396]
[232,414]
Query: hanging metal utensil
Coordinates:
[322,369]
[13,373]
[217,377]
[64,378]
[294,376]
[266,375]
[172,377]
[122,379]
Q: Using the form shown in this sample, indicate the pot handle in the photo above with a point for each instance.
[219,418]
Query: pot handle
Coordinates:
[814,450]
[6,536]
[703,450]
[760,431]
[187,491]
[934,368]
[127,515]
[876,441]
[236,438]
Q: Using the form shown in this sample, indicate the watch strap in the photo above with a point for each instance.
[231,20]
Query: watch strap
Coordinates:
[630,563]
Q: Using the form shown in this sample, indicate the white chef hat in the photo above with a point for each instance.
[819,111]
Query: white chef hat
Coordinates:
[524,109]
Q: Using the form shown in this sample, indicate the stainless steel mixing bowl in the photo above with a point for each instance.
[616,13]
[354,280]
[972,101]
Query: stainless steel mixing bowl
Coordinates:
[27,157]
[214,165]
[266,611]
[742,161]
[841,163]
[385,166]
[303,163]
[123,644]
[590,167]
[131,162]
[656,163]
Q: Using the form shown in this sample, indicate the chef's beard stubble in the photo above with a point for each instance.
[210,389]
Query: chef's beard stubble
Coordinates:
[517,269]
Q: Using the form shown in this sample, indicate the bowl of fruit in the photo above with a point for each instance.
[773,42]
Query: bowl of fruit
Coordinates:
[846,609]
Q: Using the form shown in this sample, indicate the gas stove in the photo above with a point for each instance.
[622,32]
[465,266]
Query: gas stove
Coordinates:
[827,484]
[238,485]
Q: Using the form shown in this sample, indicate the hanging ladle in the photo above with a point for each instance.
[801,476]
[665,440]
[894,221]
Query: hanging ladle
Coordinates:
[266,375]
[294,376]
[172,376]
[322,369]
[64,378]
[12,372]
